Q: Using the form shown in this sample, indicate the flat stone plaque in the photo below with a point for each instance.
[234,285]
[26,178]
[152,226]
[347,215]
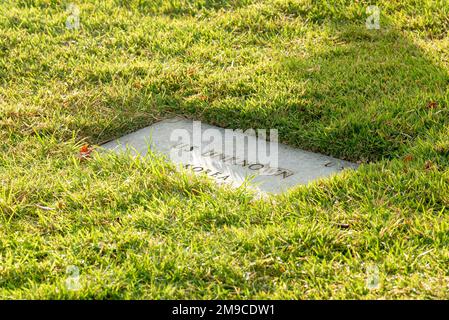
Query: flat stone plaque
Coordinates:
[230,156]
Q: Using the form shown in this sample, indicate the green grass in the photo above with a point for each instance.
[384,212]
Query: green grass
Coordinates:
[137,228]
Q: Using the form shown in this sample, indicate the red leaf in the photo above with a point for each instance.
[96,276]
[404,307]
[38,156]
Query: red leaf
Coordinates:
[84,148]
[85,152]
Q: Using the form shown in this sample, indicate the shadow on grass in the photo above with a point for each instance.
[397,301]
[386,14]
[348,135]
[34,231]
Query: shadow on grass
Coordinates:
[366,97]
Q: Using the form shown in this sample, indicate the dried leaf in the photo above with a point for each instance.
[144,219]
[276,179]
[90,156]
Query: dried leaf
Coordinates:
[137,85]
[428,165]
[60,205]
[408,158]
[191,71]
[432,105]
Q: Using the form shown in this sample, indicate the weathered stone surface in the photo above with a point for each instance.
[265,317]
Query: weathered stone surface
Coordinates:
[202,154]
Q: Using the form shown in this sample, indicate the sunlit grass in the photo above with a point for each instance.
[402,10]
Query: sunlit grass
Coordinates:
[138,228]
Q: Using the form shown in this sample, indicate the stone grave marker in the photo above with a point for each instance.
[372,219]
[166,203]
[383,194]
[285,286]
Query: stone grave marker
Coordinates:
[230,156]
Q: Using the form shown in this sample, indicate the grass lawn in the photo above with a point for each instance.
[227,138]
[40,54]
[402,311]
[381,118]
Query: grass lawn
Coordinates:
[135,228]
